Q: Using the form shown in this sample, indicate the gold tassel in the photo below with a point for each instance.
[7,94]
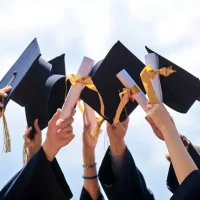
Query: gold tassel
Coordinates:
[7,143]
[25,154]
[96,131]
[168,157]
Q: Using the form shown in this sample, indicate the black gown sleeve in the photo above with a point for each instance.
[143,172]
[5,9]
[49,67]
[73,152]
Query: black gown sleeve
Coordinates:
[85,195]
[172,182]
[189,189]
[39,179]
[130,184]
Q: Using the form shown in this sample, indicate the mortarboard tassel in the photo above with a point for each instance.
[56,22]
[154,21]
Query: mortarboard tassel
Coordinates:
[7,143]
[97,130]
[25,154]
[168,157]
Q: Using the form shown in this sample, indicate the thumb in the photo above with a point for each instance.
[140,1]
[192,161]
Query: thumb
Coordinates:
[55,116]
[37,128]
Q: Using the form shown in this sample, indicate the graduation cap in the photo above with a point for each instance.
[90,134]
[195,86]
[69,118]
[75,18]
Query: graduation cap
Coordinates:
[104,78]
[50,96]
[26,77]
[180,89]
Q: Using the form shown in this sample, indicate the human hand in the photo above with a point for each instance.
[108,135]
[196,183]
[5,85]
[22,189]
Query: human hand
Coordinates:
[158,117]
[116,137]
[33,145]
[3,93]
[59,134]
[89,142]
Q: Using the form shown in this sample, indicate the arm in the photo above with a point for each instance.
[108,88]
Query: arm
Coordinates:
[91,187]
[118,174]
[31,146]
[183,165]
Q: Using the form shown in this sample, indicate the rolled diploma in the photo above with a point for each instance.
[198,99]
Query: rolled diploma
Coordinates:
[128,82]
[151,59]
[75,91]
[90,116]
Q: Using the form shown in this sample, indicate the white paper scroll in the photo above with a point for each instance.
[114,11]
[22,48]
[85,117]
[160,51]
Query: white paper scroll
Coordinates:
[75,91]
[151,59]
[90,116]
[128,82]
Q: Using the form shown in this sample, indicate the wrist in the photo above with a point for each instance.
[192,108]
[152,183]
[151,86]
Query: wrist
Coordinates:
[117,147]
[88,156]
[49,151]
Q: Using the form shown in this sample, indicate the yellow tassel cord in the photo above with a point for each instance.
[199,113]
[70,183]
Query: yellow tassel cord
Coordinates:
[148,74]
[7,142]
[168,157]
[87,82]
[97,130]
[25,154]
[125,96]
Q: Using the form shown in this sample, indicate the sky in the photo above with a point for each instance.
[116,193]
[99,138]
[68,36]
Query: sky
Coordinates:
[90,28]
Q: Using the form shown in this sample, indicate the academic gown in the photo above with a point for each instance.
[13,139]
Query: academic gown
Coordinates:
[39,179]
[189,186]
[85,195]
[130,184]
[172,182]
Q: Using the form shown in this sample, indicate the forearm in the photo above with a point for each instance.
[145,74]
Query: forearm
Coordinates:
[49,152]
[117,147]
[180,158]
[91,185]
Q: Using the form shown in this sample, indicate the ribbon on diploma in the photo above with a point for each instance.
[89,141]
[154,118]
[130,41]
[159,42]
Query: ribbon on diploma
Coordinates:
[87,82]
[148,74]
[125,96]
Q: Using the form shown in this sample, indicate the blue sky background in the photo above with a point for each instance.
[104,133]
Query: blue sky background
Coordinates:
[90,28]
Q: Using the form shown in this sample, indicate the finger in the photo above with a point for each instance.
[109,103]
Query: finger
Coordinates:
[85,123]
[68,136]
[36,126]
[149,106]
[73,112]
[125,123]
[6,89]
[68,140]
[64,123]
[27,133]
[3,94]
[55,117]
[1,105]
[66,129]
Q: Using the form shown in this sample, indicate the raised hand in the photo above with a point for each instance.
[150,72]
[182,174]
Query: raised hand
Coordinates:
[3,93]
[59,134]
[116,136]
[32,146]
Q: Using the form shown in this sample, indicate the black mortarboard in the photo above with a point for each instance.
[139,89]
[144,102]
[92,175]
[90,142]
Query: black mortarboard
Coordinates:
[50,96]
[180,89]
[104,78]
[26,76]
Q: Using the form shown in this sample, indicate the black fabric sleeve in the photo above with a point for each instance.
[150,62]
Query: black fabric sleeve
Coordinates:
[129,185]
[189,189]
[85,195]
[39,179]
[172,182]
